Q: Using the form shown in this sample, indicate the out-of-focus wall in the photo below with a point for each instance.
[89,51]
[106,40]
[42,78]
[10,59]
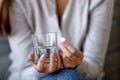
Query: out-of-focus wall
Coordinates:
[112,63]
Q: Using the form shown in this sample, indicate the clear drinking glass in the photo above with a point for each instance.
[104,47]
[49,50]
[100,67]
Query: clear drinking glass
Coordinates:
[44,43]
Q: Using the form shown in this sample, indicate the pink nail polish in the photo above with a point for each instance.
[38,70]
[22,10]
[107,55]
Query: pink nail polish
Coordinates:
[43,56]
[52,54]
[63,43]
[58,52]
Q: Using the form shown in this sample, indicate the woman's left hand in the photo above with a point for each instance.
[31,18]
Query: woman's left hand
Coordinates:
[71,56]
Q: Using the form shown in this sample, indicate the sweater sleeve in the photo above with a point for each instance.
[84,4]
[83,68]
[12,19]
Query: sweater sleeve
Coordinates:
[96,42]
[21,45]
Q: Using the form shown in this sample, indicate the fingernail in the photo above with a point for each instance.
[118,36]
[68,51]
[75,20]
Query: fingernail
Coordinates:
[52,54]
[58,52]
[63,43]
[43,56]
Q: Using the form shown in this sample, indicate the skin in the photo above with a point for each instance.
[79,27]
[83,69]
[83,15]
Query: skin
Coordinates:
[70,58]
[0,3]
[40,67]
[61,5]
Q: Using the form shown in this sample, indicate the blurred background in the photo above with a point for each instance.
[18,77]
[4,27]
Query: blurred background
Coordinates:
[112,63]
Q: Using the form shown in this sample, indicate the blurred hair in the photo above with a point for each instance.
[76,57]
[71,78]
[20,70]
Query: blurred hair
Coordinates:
[5,28]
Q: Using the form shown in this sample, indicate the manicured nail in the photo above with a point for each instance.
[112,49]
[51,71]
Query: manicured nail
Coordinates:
[43,56]
[52,54]
[63,41]
[58,52]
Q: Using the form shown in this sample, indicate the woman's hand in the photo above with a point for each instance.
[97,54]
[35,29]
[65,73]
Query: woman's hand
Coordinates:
[71,56]
[54,65]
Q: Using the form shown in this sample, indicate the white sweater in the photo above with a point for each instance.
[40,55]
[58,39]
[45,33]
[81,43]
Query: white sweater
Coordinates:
[85,24]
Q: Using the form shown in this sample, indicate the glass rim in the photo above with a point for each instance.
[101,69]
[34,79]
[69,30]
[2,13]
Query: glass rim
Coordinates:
[44,33]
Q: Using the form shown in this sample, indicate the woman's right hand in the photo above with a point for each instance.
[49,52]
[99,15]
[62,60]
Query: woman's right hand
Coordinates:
[54,65]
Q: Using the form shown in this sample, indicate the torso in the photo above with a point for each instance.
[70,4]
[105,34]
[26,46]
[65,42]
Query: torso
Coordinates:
[61,5]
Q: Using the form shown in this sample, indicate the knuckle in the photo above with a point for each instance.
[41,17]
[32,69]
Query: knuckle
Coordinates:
[73,66]
[70,56]
[39,69]
[78,63]
[67,60]
[74,51]
[64,57]
[66,66]
[51,70]
[82,56]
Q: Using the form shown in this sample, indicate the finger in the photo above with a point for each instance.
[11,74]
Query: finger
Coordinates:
[59,61]
[72,50]
[72,60]
[67,54]
[68,64]
[41,63]
[68,60]
[31,58]
[68,46]
[65,58]
[78,54]
[52,66]
[65,50]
